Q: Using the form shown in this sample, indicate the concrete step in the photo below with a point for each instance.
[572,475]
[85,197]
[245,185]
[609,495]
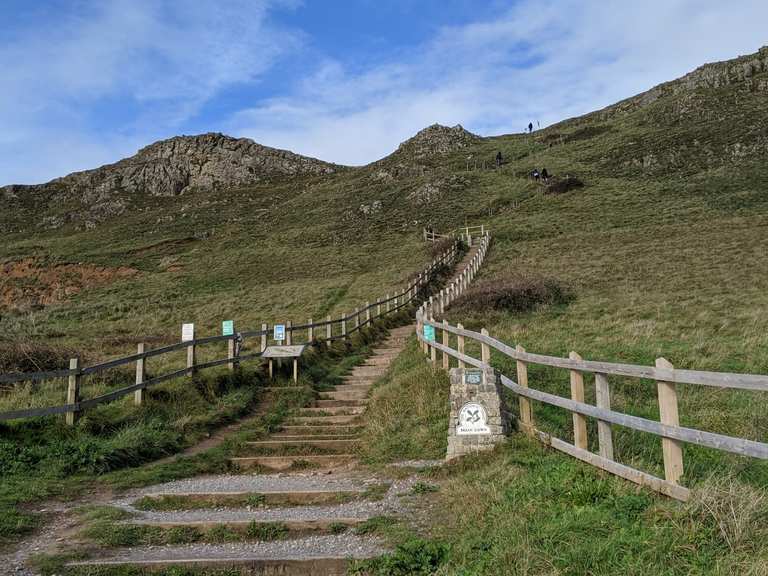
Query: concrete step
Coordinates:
[333,411]
[339,402]
[320,430]
[284,567]
[283,436]
[285,462]
[241,526]
[241,499]
[356,395]
[322,420]
[344,444]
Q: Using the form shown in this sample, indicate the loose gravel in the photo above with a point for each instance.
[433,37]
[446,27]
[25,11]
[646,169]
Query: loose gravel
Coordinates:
[226,484]
[391,504]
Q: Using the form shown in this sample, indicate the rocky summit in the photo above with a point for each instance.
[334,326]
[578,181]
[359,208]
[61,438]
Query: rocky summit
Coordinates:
[172,166]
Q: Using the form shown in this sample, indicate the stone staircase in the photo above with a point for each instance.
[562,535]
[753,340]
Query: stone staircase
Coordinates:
[300,507]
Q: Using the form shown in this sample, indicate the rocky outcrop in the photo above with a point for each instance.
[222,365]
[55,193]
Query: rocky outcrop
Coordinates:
[436,139]
[170,167]
[207,161]
[414,156]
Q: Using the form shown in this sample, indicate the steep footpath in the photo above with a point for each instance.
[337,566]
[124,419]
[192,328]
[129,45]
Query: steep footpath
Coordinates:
[303,504]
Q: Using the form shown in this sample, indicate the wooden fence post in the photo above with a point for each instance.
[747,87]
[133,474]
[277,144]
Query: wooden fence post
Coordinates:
[446,342]
[577,394]
[329,329]
[73,391]
[604,435]
[460,345]
[310,331]
[378,308]
[367,313]
[264,329]
[191,358]
[526,411]
[672,449]
[232,350]
[432,349]
[288,333]
[357,318]
[138,396]
[485,350]
[344,325]
[389,304]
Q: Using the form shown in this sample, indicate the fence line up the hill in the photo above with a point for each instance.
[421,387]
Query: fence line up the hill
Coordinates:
[664,373]
[335,329]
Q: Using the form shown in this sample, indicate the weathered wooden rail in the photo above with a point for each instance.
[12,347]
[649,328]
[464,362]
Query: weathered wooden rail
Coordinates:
[463,233]
[663,373]
[330,329]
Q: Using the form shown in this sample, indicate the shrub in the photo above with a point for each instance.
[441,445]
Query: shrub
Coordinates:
[519,293]
[437,248]
[563,185]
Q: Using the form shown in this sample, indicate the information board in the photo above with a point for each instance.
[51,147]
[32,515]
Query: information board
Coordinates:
[187,332]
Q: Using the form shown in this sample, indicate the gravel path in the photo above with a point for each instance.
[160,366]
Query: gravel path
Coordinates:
[390,504]
[418,463]
[336,546]
[260,483]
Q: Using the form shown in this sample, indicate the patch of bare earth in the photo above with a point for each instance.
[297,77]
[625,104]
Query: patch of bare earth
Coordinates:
[25,284]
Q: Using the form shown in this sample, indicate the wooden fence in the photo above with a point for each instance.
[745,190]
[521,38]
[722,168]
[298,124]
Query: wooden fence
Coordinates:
[666,376]
[329,330]
[463,233]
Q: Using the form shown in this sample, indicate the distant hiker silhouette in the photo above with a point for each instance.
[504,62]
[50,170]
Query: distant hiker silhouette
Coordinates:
[530,127]
[544,174]
[535,174]
[499,158]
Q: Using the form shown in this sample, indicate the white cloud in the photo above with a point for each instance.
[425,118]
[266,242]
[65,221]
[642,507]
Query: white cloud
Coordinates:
[541,60]
[159,60]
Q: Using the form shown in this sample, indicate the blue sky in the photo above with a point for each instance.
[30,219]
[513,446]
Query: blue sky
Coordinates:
[87,82]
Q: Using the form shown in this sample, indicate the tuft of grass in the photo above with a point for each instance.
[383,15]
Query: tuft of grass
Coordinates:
[424,488]
[267,530]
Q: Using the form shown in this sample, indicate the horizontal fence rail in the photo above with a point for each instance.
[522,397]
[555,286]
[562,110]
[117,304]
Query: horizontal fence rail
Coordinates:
[664,374]
[328,330]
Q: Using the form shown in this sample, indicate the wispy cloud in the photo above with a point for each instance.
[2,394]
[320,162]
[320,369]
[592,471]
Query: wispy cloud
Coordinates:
[540,60]
[106,76]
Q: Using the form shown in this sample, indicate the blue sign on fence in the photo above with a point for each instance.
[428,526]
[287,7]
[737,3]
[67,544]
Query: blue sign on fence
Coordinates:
[278,332]
[429,333]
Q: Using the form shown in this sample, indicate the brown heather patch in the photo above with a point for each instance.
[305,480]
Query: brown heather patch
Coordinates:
[515,293]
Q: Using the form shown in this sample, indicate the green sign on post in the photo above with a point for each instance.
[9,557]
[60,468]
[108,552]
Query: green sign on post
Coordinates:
[429,333]
[227,328]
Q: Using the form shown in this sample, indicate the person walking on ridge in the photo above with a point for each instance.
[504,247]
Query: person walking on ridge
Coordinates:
[499,159]
[530,127]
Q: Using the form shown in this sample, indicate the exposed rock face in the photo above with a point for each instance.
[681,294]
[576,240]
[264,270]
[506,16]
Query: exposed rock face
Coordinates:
[436,139]
[170,166]
[744,71]
[413,157]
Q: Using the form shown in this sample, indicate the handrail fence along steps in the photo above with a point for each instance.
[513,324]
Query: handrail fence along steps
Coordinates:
[75,374]
[663,373]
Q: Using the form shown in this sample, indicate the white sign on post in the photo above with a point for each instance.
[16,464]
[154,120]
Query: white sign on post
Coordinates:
[187,332]
[278,333]
[473,419]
